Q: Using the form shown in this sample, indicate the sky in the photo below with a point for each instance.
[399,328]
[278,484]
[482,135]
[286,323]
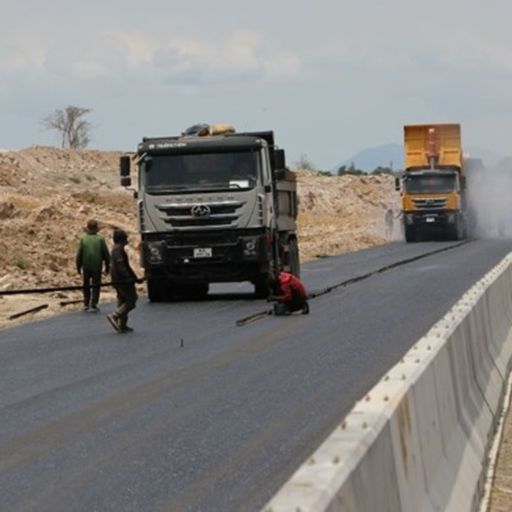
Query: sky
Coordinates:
[330,77]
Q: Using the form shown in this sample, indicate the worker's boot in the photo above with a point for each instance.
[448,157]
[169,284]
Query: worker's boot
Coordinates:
[123,327]
[114,322]
[281,309]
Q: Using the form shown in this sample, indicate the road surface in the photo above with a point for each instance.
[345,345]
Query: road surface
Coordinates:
[91,420]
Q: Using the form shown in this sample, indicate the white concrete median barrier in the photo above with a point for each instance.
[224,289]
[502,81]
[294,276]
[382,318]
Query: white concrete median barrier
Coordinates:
[419,440]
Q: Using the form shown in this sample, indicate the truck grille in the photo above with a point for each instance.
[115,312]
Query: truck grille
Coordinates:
[214,215]
[205,239]
[430,203]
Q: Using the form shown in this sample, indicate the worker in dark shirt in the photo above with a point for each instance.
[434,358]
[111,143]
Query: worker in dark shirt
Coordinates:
[91,254]
[124,279]
[290,295]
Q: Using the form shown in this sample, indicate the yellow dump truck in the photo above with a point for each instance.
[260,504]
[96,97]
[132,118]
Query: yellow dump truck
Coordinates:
[433,183]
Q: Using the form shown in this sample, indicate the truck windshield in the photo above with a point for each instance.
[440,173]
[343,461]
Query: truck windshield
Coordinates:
[429,183]
[203,171]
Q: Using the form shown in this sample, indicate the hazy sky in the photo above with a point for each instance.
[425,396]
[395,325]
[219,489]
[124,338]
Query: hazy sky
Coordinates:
[331,77]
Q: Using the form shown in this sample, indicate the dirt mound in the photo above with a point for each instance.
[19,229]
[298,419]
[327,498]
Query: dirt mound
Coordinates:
[48,194]
[49,167]
[46,197]
[346,213]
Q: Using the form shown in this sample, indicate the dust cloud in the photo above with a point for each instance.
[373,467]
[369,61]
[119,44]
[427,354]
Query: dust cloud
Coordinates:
[489,203]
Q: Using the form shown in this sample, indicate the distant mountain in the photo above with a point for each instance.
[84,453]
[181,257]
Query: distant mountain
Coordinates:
[371,158]
[393,154]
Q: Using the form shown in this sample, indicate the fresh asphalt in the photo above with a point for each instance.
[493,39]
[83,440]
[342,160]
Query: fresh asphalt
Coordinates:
[190,412]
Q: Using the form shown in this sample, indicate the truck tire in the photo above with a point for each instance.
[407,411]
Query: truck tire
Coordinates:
[156,289]
[200,290]
[457,231]
[261,289]
[411,234]
[192,291]
[293,257]
[464,230]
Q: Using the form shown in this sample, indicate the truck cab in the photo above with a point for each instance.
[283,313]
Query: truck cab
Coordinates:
[213,207]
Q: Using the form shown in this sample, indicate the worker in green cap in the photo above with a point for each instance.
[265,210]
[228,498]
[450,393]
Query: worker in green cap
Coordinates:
[92,253]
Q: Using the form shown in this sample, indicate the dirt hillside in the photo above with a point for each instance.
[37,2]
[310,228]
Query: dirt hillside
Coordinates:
[48,194]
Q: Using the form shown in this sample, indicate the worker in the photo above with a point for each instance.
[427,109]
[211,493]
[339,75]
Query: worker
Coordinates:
[124,279]
[92,253]
[291,295]
[388,219]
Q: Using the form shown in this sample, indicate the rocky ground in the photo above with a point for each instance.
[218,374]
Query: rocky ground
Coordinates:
[48,194]
[46,197]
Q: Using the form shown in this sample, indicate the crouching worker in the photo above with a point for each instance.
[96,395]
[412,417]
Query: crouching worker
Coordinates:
[290,295]
[124,279]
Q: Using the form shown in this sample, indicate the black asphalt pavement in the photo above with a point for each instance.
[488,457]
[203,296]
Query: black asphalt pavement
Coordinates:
[91,420]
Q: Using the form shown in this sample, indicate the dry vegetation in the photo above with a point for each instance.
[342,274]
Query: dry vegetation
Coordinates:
[47,195]
[342,214]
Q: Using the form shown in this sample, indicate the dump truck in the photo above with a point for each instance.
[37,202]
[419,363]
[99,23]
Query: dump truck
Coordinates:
[213,206]
[433,183]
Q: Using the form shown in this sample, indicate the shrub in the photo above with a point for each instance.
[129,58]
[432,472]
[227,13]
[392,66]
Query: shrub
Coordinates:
[21,262]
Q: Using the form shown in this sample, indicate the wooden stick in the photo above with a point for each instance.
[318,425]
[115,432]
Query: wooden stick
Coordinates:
[252,318]
[26,312]
[71,301]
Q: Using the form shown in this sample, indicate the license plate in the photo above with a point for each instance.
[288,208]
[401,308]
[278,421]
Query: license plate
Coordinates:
[203,252]
[430,219]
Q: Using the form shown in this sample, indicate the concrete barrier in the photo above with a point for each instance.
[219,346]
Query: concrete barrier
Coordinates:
[419,440]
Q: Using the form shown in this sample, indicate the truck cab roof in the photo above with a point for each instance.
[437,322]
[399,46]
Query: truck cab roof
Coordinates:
[208,143]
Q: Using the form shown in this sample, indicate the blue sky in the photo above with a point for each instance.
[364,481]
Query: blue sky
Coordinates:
[331,77]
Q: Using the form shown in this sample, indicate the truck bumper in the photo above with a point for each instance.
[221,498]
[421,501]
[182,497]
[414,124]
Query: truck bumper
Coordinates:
[431,220]
[214,257]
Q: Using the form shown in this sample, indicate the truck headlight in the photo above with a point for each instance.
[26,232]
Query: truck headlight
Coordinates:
[409,218]
[250,247]
[155,252]
[451,218]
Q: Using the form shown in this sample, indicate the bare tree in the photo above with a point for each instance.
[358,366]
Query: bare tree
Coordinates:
[305,163]
[71,126]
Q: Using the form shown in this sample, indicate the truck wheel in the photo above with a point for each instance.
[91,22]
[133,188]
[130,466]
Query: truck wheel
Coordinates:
[156,289]
[261,289]
[464,230]
[200,290]
[193,291]
[410,234]
[294,259]
[457,232]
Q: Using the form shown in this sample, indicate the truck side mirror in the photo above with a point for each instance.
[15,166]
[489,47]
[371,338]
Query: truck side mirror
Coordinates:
[397,184]
[126,181]
[124,166]
[279,159]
